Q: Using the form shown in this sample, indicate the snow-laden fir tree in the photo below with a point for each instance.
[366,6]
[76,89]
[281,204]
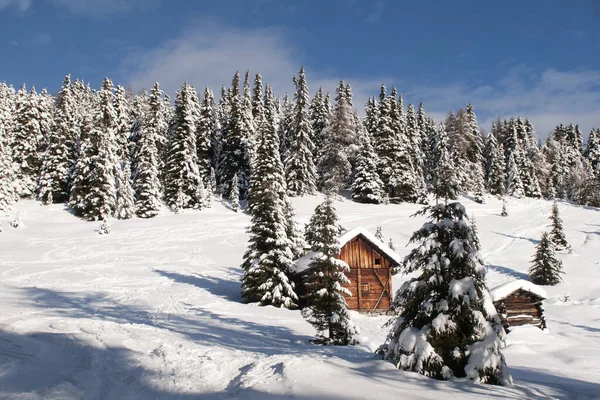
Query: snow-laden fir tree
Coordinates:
[327,309]
[157,124]
[391,245]
[268,259]
[493,156]
[124,123]
[320,115]
[334,166]
[448,326]
[247,120]
[592,151]
[8,189]
[514,185]
[391,144]
[125,208]
[546,268]
[93,192]
[503,213]
[212,181]
[33,122]
[444,182]
[300,170]
[257,96]
[234,154]
[61,153]
[379,234]
[366,186]
[557,233]
[415,140]
[146,183]
[205,127]
[234,194]
[286,119]
[181,162]
[476,241]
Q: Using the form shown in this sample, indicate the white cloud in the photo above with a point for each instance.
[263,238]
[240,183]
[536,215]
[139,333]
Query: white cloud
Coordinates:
[100,8]
[22,5]
[547,98]
[210,55]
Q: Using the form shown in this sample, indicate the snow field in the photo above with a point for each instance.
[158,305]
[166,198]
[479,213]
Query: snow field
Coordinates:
[153,310]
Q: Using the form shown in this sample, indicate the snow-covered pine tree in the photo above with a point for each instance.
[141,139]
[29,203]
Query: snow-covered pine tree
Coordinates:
[445,183]
[247,121]
[366,186]
[379,234]
[157,125]
[592,151]
[320,114]
[124,123]
[334,158]
[212,181]
[546,268]
[286,119]
[125,208]
[371,116]
[448,326]
[234,194]
[181,162]
[504,212]
[32,126]
[104,228]
[268,259]
[514,185]
[327,309]
[8,189]
[205,127]
[61,154]
[429,151]
[234,157]
[557,233]
[93,192]
[300,170]
[257,95]
[493,156]
[393,147]
[476,241]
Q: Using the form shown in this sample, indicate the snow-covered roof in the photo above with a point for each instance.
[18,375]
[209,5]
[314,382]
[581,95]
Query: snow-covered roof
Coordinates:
[302,263]
[504,290]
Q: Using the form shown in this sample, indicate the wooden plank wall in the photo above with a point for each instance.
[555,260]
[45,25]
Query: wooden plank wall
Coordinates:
[360,256]
[521,308]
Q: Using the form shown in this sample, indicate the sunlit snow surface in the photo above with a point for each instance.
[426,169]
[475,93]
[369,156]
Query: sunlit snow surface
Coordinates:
[153,310]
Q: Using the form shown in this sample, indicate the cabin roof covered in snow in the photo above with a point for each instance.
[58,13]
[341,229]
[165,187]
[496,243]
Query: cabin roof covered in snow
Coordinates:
[506,289]
[302,263]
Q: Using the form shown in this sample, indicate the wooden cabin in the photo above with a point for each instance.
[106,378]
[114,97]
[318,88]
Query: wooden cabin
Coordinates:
[519,303]
[371,263]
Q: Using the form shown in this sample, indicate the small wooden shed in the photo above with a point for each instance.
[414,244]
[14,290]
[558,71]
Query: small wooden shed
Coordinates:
[371,263]
[518,303]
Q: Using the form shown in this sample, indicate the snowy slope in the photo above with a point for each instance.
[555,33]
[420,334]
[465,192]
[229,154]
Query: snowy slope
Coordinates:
[153,311]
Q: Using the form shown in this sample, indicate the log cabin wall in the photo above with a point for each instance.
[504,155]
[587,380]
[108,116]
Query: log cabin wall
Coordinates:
[521,308]
[370,276]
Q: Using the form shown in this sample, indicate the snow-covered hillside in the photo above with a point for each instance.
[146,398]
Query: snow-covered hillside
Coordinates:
[153,311]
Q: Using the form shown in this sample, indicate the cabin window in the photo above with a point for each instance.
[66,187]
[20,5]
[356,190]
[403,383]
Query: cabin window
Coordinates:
[378,261]
[365,288]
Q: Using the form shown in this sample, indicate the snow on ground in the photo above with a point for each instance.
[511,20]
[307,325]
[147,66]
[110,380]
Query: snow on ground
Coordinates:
[153,311]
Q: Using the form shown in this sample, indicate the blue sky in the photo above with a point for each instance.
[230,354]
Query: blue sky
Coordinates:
[539,59]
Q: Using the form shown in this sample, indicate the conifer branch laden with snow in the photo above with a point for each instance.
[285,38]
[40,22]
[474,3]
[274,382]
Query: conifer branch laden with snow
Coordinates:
[557,233]
[448,326]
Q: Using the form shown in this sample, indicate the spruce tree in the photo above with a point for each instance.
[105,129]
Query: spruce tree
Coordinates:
[366,186]
[146,183]
[300,172]
[32,126]
[234,194]
[248,128]
[125,208]
[493,156]
[504,213]
[448,326]
[205,128]
[557,233]
[157,125]
[8,189]
[181,162]
[476,241]
[61,154]
[327,309]
[268,259]
[514,185]
[391,245]
[379,234]
[320,115]
[592,151]
[546,268]
[445,183]
[93,193]
[124,123]
[334,158]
